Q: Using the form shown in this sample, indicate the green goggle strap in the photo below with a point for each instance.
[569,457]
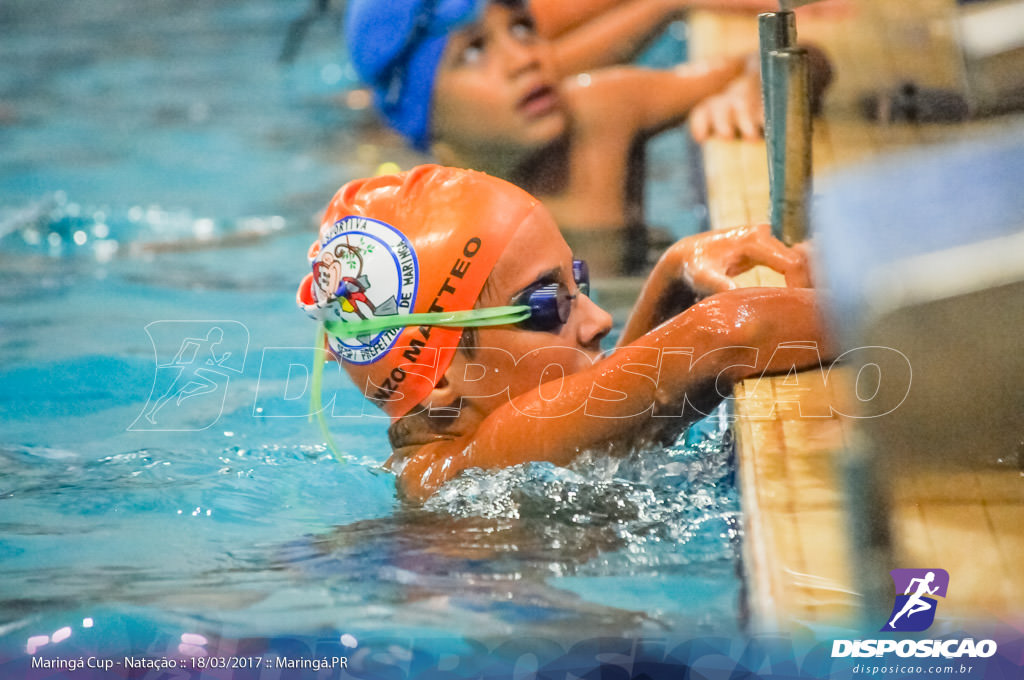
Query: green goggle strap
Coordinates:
[316,399]
[489,316]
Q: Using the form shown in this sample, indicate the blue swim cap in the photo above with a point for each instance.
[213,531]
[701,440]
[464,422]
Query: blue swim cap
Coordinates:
[395,46]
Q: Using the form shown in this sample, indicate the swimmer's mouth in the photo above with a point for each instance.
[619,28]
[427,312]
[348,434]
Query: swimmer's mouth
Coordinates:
[539,101]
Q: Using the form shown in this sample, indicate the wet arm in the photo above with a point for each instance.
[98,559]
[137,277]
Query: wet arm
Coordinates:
[607,33]
[703,264]
[733,335]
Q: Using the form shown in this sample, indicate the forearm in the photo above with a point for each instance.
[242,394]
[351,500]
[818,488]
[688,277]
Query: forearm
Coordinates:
[736,334]
[662,296]
[712,75]
[614,36]
[668,97]
[722,339]
[555,17]
[741,329]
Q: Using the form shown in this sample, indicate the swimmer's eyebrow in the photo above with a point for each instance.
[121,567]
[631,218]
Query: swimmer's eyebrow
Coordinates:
[553,275]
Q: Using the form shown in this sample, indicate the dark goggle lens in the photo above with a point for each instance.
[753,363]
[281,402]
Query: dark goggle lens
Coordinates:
[550,307]
[581,275]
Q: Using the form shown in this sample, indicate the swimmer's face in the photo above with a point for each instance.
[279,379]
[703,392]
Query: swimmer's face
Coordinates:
[537,255]
[496,87]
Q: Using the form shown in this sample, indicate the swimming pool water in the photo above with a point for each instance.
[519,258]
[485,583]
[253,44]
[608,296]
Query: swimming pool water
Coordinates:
[161,173]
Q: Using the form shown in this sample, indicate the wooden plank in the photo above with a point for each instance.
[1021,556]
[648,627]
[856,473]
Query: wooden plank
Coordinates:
[727,199]
[754,166]
[823,591]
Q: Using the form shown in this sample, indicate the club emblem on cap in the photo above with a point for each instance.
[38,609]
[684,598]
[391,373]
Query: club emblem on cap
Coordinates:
[364,269]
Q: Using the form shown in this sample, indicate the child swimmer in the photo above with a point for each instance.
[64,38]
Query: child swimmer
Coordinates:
[451,299]
[473,83]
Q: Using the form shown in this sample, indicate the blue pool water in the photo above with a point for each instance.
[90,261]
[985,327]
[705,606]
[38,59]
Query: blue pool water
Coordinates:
[161,173]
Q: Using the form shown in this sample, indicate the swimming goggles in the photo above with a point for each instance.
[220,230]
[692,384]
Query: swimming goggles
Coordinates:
[541,307]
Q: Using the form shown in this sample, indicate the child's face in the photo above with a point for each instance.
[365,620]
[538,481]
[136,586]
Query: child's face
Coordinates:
[496,86]
[536,255]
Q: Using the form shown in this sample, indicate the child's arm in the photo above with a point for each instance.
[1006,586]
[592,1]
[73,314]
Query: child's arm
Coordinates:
[737,108]
[701,265]
[722,339]
[555,18]
[590,34]
[612,37]
[646,101]
[722,97]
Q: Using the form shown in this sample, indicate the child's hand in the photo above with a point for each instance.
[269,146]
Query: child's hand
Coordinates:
[705,262]
[738,110]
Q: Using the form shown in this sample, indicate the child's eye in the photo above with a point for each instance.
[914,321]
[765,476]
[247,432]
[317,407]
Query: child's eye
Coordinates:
[472,52]
[523,29]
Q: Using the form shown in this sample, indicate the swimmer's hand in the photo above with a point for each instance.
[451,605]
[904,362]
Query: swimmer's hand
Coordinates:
[736,111]
[701,265]
[708,261]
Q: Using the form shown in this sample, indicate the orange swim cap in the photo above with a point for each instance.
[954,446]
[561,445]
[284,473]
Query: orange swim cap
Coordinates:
[419,241]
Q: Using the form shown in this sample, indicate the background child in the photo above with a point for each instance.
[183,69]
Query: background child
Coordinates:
[476,85]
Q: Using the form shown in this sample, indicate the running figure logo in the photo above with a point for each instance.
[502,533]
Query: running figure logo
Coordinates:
[206,353]
[914,610]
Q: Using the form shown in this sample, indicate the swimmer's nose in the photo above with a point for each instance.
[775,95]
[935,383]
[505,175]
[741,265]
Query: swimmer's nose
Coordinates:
[594,325]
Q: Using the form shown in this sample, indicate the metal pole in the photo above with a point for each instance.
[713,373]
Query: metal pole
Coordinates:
[776,31]
[790,142]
